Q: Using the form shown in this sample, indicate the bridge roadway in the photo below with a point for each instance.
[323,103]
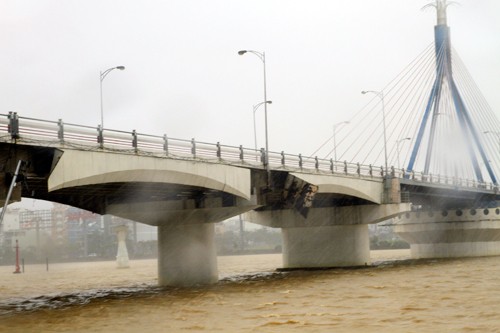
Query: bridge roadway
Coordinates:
[184,187]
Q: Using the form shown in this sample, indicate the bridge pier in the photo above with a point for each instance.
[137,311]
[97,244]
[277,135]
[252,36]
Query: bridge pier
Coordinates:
[451,234]
[186,255]
[326,246]
[122,253]
[328,236]
[186,243]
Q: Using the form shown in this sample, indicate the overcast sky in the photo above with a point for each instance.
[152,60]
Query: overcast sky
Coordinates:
[184,77]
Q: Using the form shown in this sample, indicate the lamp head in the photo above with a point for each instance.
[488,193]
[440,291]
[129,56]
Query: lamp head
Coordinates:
[269,102]
[120,67]
[242,52]
[364,92]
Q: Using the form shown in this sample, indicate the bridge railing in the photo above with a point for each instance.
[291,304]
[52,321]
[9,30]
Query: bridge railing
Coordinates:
[58,133]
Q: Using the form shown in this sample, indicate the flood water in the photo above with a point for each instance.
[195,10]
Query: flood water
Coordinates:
[393,295]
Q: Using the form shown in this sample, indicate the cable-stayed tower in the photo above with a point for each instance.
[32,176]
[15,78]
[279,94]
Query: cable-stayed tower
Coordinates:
[445,94]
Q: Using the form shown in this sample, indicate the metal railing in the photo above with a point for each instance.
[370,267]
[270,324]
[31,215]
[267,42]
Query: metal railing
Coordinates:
[59,134]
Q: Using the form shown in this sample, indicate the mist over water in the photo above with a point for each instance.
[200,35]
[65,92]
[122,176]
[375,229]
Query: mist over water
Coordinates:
[394,295]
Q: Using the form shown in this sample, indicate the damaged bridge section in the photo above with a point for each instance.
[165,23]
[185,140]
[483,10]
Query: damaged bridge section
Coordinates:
[324,218]
[302,193]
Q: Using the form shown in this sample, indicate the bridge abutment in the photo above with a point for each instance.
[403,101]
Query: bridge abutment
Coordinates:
[186,255]
[326,246]
[451,234]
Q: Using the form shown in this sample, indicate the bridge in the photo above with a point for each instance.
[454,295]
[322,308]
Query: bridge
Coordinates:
[323,206]
[184,186]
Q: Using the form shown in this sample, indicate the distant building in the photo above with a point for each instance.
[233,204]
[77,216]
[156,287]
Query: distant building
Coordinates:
[65,224]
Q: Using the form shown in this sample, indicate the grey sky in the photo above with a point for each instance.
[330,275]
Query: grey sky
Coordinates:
[184,78]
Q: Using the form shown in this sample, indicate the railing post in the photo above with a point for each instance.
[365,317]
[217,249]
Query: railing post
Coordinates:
[13,127]
[345,167]
[393,171]
[242,157]
[165,144]
[300,161]
[370,170]
[282,158]
[331,165]
[60,130]
[219,154]
[358,169]
[316,163]
[100,136]
[263,156]
[134,140]
[193,147]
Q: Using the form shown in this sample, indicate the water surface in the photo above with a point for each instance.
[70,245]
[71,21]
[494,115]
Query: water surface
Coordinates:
[394,295]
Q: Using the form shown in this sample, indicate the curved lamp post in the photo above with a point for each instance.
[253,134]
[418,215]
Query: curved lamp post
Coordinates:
[380,95]
[255,107]
[102,77]
[397,148]
[262,57]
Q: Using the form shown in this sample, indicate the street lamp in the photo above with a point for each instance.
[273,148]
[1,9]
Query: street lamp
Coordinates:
[334,140]
[262,57]
[255,107]
[380,95]
[102,77]
[397,148]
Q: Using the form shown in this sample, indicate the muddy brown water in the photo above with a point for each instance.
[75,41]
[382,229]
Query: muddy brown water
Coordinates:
[394,295]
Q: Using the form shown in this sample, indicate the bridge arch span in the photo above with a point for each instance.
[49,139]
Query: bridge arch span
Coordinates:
[368,189]
[81,168]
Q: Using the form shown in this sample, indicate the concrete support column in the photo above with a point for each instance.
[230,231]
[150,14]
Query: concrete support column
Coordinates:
[122,254]
[451,234]
[326,246]
[187,255]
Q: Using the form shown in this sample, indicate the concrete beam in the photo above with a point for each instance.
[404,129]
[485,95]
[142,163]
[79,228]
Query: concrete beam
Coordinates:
[329,216]
[77,168]
[160,213]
